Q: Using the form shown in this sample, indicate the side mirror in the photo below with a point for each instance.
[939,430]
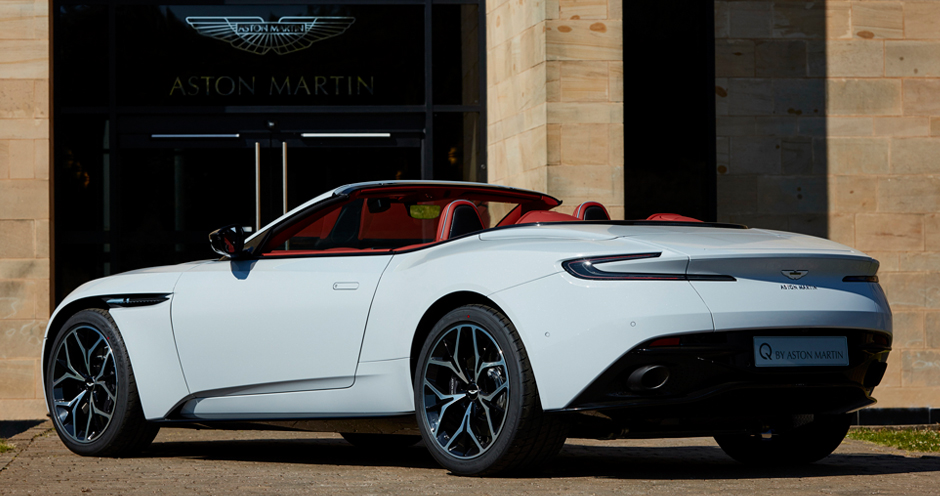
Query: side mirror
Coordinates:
[228,241]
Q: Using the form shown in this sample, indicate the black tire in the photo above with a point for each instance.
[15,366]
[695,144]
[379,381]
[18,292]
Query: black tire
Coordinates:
[380,441]
[525,437]
[807,443]
[103,387]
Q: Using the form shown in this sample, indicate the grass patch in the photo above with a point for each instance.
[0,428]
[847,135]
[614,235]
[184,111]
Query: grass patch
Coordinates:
[4,446]
[907,439]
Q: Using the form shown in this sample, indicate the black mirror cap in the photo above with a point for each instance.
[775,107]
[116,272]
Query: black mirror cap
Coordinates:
[228,241]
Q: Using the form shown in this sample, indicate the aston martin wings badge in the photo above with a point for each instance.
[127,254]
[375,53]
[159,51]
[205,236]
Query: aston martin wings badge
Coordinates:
[255,35]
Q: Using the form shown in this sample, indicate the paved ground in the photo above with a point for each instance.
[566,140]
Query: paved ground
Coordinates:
[264,463]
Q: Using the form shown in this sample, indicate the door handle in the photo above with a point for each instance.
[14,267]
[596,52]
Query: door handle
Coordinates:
[345,286]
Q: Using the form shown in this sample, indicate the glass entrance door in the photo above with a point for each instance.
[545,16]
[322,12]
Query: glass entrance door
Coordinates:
[191,184]
[162,193]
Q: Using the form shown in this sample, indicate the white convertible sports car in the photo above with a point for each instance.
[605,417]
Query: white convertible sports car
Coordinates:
[475,318]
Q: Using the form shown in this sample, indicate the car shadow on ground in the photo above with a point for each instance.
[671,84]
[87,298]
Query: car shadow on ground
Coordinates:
[710,462]
[646,463]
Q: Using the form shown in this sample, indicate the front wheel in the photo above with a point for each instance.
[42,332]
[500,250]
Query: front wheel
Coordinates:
[90,389]
[806,443]
[476,399]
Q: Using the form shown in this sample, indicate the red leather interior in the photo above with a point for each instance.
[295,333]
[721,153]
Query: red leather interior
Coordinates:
[512,217]
[446,219]
[672,218]
[544,216]
[582,209]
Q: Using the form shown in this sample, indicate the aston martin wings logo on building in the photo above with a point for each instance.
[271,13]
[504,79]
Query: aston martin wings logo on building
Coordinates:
[255,35]
[794,274]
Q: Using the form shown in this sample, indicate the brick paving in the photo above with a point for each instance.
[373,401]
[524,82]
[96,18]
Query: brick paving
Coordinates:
[263,463]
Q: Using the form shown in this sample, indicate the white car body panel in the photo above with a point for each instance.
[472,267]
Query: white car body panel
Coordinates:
[274,339]
[147,332]
[152,350]
[639,310]
[382,389]
[274,325]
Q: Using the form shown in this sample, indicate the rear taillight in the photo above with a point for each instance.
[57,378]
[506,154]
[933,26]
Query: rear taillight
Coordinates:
[860,279]
[665,342]
[585,268]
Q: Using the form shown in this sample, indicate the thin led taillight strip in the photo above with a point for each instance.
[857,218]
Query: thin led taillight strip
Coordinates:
[584,268]
[860,279]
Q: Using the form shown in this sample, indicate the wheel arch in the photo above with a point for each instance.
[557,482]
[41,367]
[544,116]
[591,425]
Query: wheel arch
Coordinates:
[437,310]
[61,317]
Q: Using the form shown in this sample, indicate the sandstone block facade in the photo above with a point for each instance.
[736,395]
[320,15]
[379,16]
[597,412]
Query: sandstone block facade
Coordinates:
[24,204]
[556,111]
[859,82]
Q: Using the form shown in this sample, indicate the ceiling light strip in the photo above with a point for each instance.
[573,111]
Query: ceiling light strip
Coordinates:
[345,135]
[175,136]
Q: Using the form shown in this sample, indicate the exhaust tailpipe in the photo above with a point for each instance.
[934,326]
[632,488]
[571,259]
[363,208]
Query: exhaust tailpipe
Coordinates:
[648,378]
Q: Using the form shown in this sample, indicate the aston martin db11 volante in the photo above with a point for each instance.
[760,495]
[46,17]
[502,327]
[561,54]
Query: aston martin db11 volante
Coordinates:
[479,320]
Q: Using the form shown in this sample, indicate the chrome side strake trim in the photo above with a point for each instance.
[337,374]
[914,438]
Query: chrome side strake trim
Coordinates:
[139,300]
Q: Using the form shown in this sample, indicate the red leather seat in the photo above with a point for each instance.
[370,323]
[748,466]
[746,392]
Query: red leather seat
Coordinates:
[591,210]
[459,217]
[672,218]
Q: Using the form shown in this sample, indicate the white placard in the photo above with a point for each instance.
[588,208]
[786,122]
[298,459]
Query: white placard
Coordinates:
[800,351]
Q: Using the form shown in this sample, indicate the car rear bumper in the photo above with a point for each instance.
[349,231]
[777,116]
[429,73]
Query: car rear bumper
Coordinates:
[712,378]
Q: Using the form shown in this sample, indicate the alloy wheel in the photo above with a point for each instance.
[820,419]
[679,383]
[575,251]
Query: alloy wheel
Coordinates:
[84,384]
[466,391]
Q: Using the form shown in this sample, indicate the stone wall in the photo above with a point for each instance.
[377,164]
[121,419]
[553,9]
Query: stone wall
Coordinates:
[555,91]
[829,124]
[24,203]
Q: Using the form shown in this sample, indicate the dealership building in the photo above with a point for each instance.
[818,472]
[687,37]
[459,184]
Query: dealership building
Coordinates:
[129,129]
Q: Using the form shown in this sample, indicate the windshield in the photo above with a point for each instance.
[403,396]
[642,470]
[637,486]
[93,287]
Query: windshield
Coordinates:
[385,220]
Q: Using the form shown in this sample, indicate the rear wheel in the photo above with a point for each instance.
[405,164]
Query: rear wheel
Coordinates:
[90,389]
[380,441]
[806,443]
[476,400]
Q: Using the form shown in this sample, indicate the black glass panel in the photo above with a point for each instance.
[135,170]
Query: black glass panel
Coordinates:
[270,55]
[458,147]
[82,187]
[456,54]
[667,177]
[77,264]
[170,200]
[82,164]
[81,55]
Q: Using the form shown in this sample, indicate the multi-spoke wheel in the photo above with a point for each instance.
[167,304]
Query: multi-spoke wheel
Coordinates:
[84,384]
[90,389]
[475,396]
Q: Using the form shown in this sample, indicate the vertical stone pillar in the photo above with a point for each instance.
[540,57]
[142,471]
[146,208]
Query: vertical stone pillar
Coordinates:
[555,91]
[829,124]
[24,204]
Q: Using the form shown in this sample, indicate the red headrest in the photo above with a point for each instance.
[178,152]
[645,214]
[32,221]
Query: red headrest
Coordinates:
[544,216]
[591,210]
[459,217]
[672,218]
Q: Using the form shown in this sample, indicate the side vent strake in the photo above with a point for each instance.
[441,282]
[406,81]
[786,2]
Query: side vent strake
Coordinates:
[124,301]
